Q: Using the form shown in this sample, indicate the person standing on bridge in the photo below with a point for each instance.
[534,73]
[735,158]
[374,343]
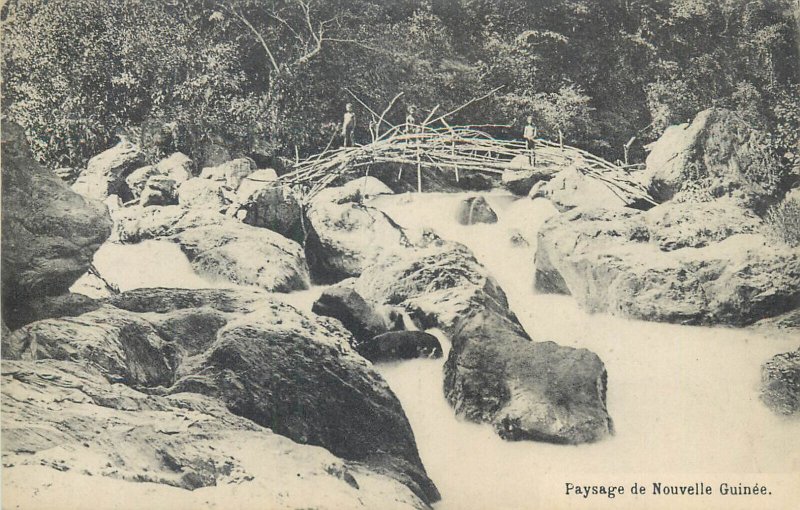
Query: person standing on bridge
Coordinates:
[348,125]
[411,119]
[529,134]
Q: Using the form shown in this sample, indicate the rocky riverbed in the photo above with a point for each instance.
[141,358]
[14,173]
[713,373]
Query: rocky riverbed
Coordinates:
[384,350]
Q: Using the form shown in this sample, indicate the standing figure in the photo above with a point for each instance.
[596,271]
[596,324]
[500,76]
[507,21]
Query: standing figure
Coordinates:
[529,134]
[348,125]
[411,119]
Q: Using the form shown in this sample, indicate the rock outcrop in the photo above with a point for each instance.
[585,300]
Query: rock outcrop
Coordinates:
[780,383]
[159,190]
[260,203]
[715,156]
[692,264]
[570,188]
[475,210]
[66,424]
[494,373]
[344,237]
[520,176]
[527,390]
[231,172]
[362,319]
[177,167]
[205,193]
[261,358]
[50,233]
[105,174]
[218,247]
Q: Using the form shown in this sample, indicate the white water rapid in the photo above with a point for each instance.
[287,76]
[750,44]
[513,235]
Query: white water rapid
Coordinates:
[684,399]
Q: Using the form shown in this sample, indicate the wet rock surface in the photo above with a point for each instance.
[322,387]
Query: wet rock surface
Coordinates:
[65,422]
[397,345]
[475,210]
[628,263]
[50,233]
[262,359]
[361,318]
[780,383]
[494,373]
[218,247]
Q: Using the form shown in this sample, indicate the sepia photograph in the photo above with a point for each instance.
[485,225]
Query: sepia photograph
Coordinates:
[400,254]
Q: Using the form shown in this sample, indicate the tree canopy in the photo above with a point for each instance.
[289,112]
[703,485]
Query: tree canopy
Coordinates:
[264,76]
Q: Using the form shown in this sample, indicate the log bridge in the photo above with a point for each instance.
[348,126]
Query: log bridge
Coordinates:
[436,145]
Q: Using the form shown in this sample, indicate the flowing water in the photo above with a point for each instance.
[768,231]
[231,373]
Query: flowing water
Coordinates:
[684,399]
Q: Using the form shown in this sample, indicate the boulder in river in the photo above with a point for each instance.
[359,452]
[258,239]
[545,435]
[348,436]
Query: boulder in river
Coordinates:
[494,373]
[474,210]
[397,345]
[50,233]
[263,204]
[68,431]
[571,188]
[218,247]
[780,383]
[105,174]
[709,270]
[362,319]
[345,238]
[263,359]
[527,390]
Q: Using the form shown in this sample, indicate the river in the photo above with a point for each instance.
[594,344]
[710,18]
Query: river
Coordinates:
[684,399]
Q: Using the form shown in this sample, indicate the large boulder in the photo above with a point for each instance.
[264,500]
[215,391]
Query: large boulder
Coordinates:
[205,193]
[520,176]
[780,383]
[700,267]
[69,432]
[494,373]
[159,190]
[344,239]
[50,233]
[527,390]
[362,319]
[105,174]
[571,188]
[232,172]
[354,191]
[177,167]
[474,210]
[260,202]
[263,359]
[218,247]
[717,155]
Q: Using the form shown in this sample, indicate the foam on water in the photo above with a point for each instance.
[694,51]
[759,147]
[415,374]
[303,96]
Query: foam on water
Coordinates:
[683,399]
[146,264]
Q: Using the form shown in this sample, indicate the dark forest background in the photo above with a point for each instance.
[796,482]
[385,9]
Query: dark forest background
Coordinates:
[260,77]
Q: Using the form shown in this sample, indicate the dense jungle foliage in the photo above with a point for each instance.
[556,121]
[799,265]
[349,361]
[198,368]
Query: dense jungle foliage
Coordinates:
[263,76]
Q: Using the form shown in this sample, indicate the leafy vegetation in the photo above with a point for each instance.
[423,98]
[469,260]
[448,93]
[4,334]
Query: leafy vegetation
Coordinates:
[783,221]
[260,77]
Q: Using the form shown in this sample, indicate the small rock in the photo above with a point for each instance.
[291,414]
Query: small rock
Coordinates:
[475,210]
[780,383]
[396,345]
